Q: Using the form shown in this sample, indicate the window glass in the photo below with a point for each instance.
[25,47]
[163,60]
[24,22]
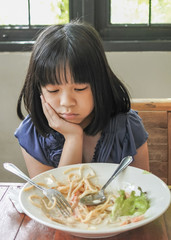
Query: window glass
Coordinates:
[46,12]
[140,11]
[42,12]
[13,12]
[129,12]
[161,11]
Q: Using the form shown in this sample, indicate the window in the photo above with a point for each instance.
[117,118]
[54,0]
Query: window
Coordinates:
[21,20]
[124,25]
[135,25]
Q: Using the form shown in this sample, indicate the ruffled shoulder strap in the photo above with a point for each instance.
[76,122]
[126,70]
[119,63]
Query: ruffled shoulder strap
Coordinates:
[121,137]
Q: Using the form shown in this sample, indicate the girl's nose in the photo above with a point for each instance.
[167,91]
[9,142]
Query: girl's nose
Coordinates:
[67,100]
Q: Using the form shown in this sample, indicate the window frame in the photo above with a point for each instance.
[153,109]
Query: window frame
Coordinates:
[96,12]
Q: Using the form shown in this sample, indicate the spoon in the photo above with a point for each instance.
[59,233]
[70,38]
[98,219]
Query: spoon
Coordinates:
[98,198]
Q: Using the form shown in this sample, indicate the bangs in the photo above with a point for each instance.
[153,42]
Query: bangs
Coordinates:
[63,69]
[53,71]
[61,54]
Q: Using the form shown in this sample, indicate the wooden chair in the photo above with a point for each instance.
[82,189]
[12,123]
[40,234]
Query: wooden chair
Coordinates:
[156,116]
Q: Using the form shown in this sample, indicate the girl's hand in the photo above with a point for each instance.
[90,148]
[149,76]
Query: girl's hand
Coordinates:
[67,129]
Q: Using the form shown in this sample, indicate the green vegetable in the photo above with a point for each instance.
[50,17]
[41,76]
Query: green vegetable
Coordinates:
[133,205]
[146,172]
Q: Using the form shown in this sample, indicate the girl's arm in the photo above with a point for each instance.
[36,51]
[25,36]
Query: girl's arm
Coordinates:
[141,159]
[73,147]
[34,167]
[72,151]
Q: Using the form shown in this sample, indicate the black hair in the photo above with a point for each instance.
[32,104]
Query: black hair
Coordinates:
[77,46]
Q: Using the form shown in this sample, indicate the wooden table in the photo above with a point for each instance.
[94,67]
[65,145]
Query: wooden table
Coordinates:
[18,226]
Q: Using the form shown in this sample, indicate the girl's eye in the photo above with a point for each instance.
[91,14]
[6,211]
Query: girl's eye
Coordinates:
[80,89]
[53,91]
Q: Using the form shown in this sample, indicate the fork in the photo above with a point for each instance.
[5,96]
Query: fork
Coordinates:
[62,204]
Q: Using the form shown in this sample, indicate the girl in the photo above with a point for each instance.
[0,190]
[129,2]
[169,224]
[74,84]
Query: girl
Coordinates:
[78,110]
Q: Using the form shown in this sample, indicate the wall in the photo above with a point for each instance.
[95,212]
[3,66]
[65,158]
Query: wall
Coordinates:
[146,74]
[13,67]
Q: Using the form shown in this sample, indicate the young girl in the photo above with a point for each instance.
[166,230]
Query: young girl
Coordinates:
[78,110]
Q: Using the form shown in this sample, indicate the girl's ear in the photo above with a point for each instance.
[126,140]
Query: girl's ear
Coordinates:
[42,98]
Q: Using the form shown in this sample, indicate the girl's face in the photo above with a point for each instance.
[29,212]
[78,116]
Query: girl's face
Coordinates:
[72,102]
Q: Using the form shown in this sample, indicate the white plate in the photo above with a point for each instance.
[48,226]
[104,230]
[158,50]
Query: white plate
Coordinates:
[156,189]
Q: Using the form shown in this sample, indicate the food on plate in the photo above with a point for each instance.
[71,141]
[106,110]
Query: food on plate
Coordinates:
[131,205]
[119,209]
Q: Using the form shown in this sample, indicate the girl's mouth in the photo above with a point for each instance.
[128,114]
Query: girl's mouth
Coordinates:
[68,116]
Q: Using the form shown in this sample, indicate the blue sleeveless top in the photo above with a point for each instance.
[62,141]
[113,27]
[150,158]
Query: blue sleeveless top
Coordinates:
[121,137]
